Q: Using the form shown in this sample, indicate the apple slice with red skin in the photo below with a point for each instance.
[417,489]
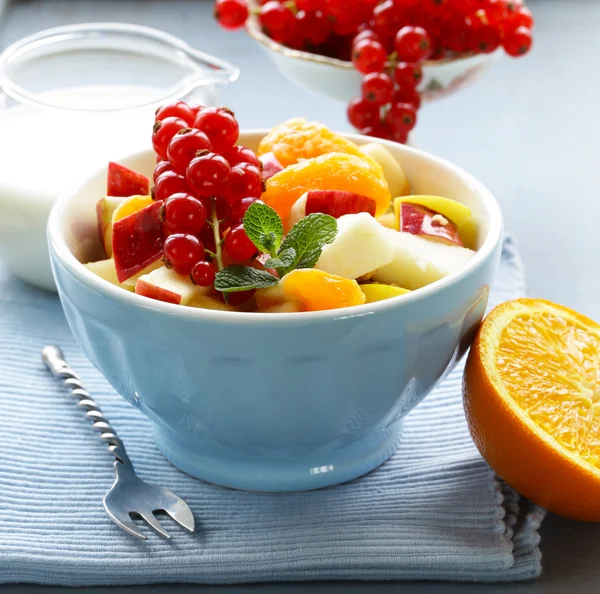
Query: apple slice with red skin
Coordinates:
[164,284]
[270,165]
[125,182]
[137,240]
[337,203]
[419,220]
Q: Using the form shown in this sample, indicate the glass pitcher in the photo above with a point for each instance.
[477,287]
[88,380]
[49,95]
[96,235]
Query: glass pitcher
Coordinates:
[74,98]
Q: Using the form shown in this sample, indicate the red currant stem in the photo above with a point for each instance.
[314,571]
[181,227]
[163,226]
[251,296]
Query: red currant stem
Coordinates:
[393,57]
[211,253]
[291,4]
[214,220]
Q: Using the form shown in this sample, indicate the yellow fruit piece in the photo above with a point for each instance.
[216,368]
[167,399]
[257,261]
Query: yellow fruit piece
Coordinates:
[532,398]
[378,292]
[389,220]
[130,206]
[298,139]
[333,171]
[315,290]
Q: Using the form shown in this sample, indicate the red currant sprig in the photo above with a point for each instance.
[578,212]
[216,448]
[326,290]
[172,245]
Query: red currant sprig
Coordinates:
[383,39]
[207,183]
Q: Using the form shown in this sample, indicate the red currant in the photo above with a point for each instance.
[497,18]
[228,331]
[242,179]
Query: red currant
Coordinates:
[203,274]
[485,38]
[369,56]
[412,44]
[238,246]
[365,34]
[400,136]
[522,17]
[182,251]
[517,42]
[184,214]
[208,174]
[161,167]
[407,95]
[362,113]
[163,131]
[220,125]
[245,181]
[241,154]
[231,14]
[184,145]
[401,117]
[496,10]
[308,5]
[276,19]
[169,183]
[378,88]
[408,75]
[376,131]
[313,28]
[386,17]
[239,210]
[180,109]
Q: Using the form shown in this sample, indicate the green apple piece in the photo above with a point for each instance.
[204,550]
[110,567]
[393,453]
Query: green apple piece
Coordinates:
[360,247]
[417,261]
[105,208]
[392,170]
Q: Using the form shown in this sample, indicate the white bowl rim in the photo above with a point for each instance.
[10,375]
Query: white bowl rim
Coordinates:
[110,291]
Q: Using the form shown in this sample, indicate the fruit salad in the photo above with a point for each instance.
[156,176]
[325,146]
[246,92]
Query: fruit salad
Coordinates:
[310,221]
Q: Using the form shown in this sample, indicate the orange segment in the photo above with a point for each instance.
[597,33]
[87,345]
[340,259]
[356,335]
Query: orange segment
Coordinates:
[314,290]
[532,397]
[129,206]
[333,171]
[298,139]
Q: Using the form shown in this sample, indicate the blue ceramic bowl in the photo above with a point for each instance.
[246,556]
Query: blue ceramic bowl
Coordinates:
[275,402]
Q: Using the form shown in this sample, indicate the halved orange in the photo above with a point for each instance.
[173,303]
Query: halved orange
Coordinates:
[333,171]
[297,139]
[532,399]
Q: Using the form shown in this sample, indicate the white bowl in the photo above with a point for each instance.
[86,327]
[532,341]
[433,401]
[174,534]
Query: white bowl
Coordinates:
[339,80]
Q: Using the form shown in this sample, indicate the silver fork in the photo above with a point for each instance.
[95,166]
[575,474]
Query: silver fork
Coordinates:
[129,494]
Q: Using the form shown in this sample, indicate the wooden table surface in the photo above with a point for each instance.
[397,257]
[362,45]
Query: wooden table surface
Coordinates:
[529,130]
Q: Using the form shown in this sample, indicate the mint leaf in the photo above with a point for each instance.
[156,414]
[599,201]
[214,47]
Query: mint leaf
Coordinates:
[284,259]
[263,227]
[307,237]
[236,278]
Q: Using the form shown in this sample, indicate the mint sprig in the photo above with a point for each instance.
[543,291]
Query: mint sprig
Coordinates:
[301,248]
[236,278]
[263,228]
[307,237]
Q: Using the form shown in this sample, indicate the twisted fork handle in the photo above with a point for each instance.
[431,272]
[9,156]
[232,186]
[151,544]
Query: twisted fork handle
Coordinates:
[54,360]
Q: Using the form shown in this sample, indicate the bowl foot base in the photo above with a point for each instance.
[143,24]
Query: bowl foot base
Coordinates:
[297,474]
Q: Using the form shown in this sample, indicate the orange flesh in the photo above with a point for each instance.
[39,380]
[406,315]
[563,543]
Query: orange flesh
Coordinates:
[550,366]
[315,290]
[333,171]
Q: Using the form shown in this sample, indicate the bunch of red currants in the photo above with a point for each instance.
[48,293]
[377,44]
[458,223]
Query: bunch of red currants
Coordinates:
[207,183]
[388,41]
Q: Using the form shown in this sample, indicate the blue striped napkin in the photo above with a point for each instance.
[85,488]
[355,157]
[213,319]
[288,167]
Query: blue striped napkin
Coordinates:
[434,511]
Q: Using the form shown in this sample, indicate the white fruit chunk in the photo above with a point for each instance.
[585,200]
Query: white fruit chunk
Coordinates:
[418,261]
[298,210]
[393,172]
[360,246]
[104,269]
[165,284]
